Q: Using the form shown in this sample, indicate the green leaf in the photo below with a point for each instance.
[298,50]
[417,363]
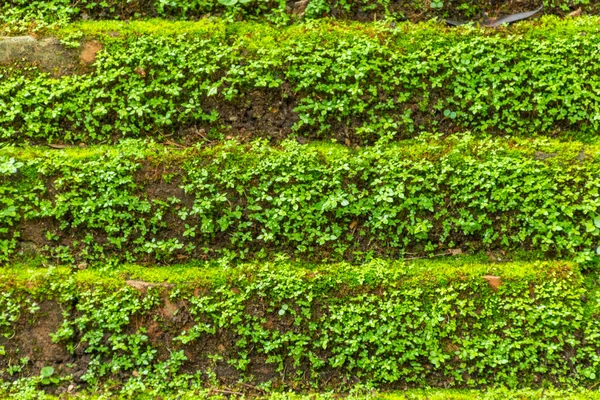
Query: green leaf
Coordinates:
[228,3]
[46,372]
[589,227]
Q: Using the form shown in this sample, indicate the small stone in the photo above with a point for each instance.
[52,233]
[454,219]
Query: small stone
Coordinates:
[89,51]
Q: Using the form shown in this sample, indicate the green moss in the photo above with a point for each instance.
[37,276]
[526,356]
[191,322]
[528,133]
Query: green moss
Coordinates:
[118,31]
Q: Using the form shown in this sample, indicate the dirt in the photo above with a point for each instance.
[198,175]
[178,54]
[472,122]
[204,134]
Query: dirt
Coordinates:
[32,340]
[267,113]
[36,343]
[34,231]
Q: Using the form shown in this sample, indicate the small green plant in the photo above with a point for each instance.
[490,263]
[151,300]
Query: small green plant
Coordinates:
[47,376]
[231,3]
[14,369]
[450,114]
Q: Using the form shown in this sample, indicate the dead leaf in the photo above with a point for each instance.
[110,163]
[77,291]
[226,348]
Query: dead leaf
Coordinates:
[300,7]
[455,252]
[140,71]
[575,13]
[494,281]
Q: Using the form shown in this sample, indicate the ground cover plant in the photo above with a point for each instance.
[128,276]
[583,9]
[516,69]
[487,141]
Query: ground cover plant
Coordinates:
[266,199]
[147,202]
[137,330]
[19,16]
[352,82]
[367,394]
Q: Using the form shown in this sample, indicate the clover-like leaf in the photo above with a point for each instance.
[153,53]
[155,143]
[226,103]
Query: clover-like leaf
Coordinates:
[46,372]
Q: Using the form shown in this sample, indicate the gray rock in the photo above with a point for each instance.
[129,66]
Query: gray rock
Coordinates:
[48,54]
